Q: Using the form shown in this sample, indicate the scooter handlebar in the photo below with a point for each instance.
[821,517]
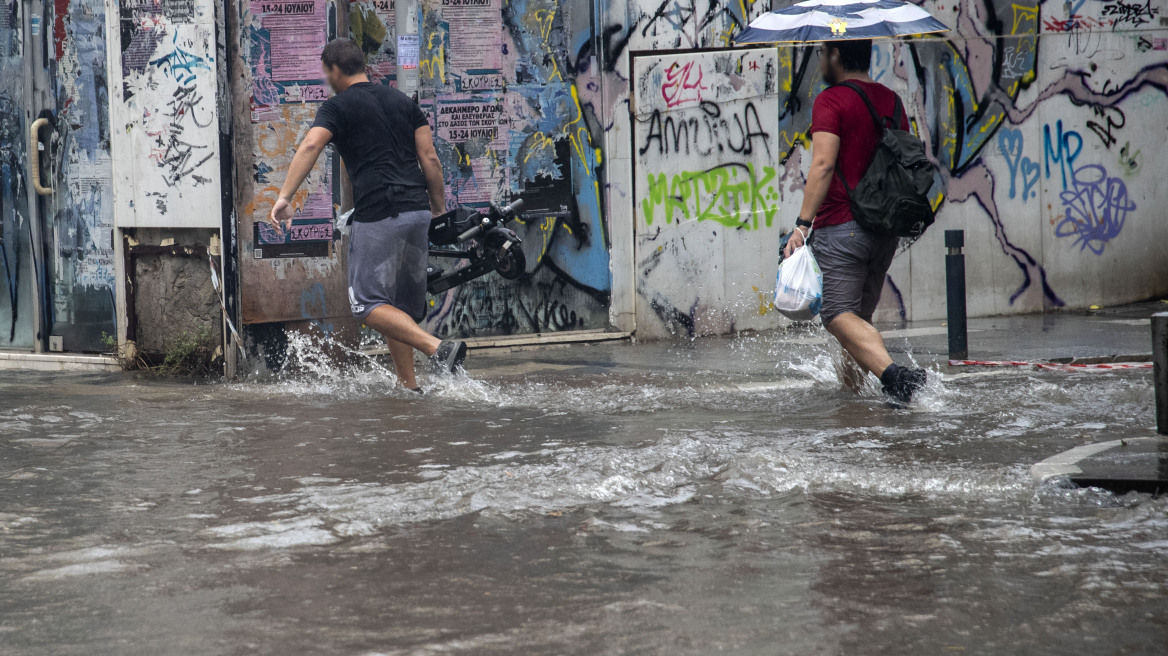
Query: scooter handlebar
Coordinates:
[470,234]
[508,212]
[514,208]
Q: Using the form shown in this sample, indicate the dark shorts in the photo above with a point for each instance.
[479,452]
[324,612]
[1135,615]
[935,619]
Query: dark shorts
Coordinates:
[387,264]
[854,264]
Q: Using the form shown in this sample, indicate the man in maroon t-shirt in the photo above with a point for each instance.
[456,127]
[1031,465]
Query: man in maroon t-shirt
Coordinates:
[854,261]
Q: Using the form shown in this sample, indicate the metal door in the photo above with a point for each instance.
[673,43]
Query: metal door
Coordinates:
[17,295]
[56,257]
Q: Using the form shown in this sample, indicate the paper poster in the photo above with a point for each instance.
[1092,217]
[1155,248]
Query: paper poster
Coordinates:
[144,25]
[476,49]
[478,127]
[465,118]
[312,227]
[407,51]
[372,24]
[287,39]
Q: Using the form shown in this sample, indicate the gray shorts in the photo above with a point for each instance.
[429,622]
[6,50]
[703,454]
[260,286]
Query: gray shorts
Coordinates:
[854,262]
[387,264]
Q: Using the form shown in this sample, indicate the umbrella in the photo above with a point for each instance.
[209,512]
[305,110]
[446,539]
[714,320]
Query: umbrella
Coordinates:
[840,20]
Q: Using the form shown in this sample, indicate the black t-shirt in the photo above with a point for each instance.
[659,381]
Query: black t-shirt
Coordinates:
[373,128]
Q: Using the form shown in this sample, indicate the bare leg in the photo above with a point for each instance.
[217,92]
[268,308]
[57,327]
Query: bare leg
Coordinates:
[397,326]
[862,341]
[849,372]
[403,362]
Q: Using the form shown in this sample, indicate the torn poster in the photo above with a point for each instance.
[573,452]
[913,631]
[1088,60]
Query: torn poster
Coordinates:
[478,127]
[476,51]
[287,39]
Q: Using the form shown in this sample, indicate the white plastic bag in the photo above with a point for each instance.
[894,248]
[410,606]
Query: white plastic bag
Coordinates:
[799,286]
[344,222]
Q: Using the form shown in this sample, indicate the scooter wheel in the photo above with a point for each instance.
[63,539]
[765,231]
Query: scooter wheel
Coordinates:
[513,264]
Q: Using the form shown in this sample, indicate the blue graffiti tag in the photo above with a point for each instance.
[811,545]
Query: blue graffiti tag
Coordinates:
[1095,208]
[1060,150]
[180,64]
[1095,204]
[1010,142]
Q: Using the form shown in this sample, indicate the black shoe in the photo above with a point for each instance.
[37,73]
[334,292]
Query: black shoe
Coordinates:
[449,357]
[901,383]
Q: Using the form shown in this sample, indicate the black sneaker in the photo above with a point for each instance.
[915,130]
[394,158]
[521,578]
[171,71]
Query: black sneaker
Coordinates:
[449,357]
[901,383]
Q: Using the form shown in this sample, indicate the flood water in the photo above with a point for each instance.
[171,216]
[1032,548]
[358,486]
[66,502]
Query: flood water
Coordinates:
[722,496]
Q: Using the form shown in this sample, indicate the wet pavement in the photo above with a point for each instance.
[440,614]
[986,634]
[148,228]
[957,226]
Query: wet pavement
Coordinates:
[716,496]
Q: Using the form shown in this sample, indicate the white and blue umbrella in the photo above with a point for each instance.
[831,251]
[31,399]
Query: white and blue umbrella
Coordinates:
[840,20]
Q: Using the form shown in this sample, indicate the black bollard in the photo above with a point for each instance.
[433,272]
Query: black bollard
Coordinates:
[1160,369]
[955,294]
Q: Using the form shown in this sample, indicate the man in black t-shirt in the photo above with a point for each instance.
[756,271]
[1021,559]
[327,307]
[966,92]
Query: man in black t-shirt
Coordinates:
[385,141]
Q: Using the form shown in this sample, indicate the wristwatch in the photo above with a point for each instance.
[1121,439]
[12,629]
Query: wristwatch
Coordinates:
[803,223]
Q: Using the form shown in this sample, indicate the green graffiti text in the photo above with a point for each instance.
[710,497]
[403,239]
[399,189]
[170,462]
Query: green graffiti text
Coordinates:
[734,195]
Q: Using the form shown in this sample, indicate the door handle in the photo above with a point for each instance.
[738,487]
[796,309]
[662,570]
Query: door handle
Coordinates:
[34,142]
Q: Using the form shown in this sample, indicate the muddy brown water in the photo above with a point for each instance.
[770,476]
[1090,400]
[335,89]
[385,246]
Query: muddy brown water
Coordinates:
[717,497]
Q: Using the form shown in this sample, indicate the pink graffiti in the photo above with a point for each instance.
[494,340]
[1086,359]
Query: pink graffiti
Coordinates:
[683,83]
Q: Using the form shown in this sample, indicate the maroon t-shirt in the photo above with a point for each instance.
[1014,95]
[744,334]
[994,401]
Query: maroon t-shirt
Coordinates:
[841,111]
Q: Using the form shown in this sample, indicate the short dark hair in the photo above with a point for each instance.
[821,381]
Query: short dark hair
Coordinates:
[345,55]
[855,55]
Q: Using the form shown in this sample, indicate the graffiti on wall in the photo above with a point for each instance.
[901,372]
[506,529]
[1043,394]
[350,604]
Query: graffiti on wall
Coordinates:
[980,97]
[521,94]
[969,91]
[503,94]
[167,101]
[704,150]
[705,179]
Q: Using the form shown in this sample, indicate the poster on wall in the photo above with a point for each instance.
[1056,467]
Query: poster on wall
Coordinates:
[311,234]
[167,156]
[476,51]
[372,24]
[287,38]
[478,126]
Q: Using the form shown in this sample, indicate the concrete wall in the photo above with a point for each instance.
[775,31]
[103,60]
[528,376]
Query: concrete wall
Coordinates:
[1047,125]
[174,298]
[706,191]
[506,83]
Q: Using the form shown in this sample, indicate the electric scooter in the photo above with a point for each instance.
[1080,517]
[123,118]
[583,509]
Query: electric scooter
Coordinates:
[464,233]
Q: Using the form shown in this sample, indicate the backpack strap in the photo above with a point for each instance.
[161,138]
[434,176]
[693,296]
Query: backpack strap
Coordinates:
[898,113]
[876,118]
[880,122]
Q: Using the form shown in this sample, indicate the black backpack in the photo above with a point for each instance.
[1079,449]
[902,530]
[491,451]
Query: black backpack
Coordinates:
[892,196]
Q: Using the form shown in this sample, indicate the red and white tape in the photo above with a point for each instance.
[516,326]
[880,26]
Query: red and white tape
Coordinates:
[1056,366]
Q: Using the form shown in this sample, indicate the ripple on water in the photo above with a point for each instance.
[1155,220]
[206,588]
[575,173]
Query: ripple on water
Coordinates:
[666,472]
